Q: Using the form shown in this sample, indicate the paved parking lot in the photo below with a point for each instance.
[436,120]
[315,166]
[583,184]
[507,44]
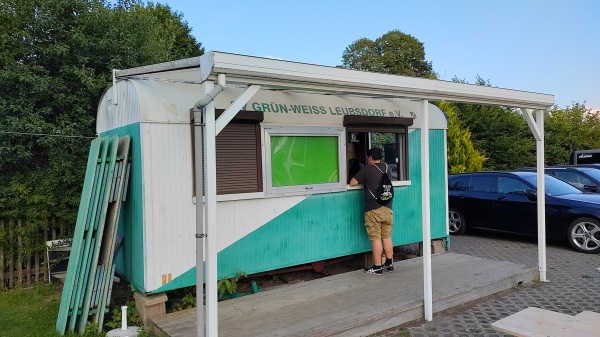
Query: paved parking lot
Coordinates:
[574,286]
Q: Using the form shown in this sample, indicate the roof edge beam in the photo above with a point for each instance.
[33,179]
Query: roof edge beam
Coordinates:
[160,67]
[272,73]
[338,87]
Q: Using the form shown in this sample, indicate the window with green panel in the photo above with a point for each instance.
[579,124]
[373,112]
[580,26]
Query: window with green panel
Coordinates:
[303,160]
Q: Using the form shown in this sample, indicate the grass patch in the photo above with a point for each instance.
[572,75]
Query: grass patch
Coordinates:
[32,312]
[403,332]
[29,311]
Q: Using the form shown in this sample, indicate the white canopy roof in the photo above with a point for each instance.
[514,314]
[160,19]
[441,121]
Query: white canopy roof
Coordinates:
[274,74]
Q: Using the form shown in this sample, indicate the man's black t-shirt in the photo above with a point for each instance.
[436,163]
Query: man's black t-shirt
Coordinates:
[369,176]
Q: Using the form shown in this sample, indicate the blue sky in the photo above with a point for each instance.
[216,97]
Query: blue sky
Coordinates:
[550,47]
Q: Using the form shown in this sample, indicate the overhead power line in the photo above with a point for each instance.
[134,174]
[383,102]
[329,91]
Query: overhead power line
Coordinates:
[44,135]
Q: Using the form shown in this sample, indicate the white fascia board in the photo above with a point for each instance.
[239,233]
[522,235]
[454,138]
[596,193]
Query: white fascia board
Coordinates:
[286,75]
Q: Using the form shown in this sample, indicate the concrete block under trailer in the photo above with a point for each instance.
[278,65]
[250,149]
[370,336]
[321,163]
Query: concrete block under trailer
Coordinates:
[284,216]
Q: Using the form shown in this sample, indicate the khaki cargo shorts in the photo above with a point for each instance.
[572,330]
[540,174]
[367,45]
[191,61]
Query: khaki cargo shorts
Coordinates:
[378,223]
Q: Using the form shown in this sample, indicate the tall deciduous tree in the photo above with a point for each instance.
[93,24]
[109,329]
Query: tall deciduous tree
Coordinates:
[56,58]
[401,54]
[462,155]
[393,53]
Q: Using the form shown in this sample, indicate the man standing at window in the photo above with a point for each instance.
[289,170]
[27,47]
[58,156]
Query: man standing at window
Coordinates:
[378,218]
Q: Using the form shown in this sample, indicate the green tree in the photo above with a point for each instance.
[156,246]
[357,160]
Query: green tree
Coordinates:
[393,53]
[401,54]
[500,133]
[56,59]
[462,155]
[146,34]
[569,129]
[503,135]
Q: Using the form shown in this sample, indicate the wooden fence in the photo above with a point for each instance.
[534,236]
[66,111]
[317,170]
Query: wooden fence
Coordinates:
[18,268]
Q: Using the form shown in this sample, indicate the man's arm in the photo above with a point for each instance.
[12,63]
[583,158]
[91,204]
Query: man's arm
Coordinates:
[358,178]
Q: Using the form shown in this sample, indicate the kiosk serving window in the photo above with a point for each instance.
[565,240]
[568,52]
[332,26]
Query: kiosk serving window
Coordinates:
[390,134]
[304,160]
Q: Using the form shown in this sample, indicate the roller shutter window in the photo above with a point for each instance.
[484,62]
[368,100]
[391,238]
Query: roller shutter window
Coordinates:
[238,152]
[239,161]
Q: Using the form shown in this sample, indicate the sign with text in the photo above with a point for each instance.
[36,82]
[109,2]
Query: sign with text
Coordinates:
[317,109]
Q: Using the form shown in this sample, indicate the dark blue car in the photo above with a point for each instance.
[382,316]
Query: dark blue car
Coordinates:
[507,202]
[585,178]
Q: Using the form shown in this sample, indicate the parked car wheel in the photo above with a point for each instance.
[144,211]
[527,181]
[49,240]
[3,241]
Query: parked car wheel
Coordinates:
[584,235]
[457,222]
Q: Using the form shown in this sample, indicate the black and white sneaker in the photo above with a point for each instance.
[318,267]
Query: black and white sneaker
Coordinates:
[375,270]
[389,268]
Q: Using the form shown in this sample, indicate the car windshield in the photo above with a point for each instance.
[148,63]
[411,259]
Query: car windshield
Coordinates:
[554,186]
[592,172]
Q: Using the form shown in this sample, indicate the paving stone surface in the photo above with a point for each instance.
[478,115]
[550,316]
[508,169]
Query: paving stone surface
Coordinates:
[573,286]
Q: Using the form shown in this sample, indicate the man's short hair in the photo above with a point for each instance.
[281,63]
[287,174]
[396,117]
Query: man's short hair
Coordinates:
[374,153]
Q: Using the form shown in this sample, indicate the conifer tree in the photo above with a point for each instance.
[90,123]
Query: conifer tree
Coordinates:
[462,155]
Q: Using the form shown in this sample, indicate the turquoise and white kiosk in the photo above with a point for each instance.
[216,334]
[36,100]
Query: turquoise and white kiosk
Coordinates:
[280,141]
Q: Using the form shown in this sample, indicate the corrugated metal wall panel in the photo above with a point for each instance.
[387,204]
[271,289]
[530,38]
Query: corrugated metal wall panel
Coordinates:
[169,211]
[146,101]
[321,226]
[110,115]
[169,102]
[412,196]
[235,220]
[253,232]
[407,199]
[282,231]
[437,179]
[331,225]
[239,218]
